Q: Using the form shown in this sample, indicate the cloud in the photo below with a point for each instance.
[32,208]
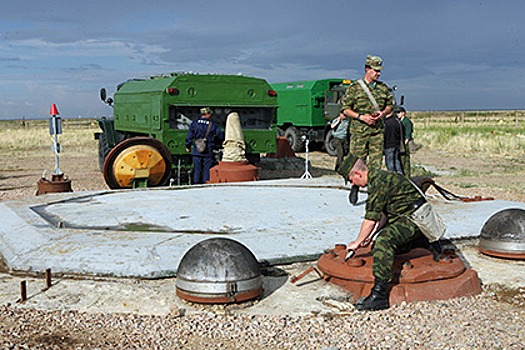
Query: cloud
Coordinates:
[437,53]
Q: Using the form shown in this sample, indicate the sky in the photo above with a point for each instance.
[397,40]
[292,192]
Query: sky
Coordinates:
[441,55]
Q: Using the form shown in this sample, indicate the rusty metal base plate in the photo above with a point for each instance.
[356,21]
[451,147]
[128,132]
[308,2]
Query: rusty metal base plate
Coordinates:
[206,298]
[417,277]
[503,254]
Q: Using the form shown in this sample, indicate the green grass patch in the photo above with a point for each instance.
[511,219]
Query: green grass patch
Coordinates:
[417,170]
[482,140]
[468,173]
[468,185]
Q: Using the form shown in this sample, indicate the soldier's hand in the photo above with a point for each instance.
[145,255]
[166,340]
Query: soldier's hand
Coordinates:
[378,115]
[187,149]
[366,242]
[352,246]
[368,119]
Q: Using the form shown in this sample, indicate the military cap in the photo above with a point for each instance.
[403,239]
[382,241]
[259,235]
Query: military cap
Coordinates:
[346,165]
[401,109]
[374,62]
[205,110]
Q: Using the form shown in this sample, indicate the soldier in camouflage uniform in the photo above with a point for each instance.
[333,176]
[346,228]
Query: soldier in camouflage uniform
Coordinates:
[366,121]
[408,129]
[392,198]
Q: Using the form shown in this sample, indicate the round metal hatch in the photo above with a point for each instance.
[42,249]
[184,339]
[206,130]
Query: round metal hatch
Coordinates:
[503,234]
[416,275]
[219,270]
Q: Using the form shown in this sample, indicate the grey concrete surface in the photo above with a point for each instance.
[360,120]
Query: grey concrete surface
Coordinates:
[145,233]
[310,295]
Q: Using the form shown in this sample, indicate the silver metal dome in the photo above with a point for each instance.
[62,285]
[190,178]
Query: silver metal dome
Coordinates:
[219,270]
[503,234]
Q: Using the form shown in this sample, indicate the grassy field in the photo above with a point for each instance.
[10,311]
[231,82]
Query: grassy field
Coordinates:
[19,139]
[486,133]
[486,155]
[482,139]
[514,118]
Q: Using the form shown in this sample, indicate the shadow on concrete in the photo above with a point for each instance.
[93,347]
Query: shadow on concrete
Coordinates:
[273,278]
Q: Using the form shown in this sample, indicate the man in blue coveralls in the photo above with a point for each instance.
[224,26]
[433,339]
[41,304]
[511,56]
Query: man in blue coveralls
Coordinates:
[203,128]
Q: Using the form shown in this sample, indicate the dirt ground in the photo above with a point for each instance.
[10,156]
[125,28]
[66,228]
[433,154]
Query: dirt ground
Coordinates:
[462,174]
[465,174]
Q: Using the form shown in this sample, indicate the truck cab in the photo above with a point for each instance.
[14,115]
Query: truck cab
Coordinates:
[306,108]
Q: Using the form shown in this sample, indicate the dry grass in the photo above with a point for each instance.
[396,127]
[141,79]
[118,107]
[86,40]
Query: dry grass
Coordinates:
[482,142]
[21,142]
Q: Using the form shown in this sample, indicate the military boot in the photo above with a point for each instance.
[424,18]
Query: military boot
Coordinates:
[352,197]
[436,250]
[377,300]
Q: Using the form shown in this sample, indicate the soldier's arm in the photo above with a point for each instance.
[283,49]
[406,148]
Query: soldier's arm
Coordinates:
[376,230]
[389,103]
[367,227]
[348,103]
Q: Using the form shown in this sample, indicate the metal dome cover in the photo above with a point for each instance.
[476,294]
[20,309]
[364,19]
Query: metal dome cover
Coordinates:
[219,270]
[503,234]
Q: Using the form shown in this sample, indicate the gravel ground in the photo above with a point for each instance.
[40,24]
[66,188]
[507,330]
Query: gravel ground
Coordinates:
[494,319]
[478,322]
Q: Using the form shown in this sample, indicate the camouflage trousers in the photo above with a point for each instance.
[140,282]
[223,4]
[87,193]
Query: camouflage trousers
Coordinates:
[341,147]
[396,238]
[368,144]
[405,161]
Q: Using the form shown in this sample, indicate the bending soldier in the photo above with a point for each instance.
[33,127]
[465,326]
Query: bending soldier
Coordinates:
[392,198]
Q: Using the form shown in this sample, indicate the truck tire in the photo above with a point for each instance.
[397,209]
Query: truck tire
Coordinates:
[103,150]
[294,138]
[329,144]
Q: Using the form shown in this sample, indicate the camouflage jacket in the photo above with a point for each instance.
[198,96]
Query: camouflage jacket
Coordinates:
[357,100]
[390,193]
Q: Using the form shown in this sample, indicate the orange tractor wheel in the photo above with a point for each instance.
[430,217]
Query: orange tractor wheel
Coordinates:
[138,159]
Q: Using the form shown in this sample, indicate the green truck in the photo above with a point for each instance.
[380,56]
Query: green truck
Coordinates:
[306,108]
[143,144]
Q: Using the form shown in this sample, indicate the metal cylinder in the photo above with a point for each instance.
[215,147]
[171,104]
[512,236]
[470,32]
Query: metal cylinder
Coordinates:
[219,270]
[234,172]
[503,234]
[58,183]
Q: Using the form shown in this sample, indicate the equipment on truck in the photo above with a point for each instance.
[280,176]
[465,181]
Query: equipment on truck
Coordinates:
[143,145]
[306,108]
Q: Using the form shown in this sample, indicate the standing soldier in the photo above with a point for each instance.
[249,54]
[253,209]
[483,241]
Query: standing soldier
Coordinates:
[408,129]
[366,102]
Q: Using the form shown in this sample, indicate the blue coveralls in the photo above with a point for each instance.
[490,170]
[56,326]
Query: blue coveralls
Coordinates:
[202,162]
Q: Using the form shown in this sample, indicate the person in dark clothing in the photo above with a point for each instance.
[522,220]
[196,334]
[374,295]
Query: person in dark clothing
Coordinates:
[408,129]
[203,128]
[393,143]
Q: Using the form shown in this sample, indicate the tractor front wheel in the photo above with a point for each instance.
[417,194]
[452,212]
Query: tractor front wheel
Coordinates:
[138,159]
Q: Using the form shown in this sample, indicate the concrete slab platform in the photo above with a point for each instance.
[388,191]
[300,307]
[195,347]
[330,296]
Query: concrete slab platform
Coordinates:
[309,296]
[145,233]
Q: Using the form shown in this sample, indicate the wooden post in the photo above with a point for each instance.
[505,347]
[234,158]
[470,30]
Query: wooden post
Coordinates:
[48,278]
[23,291]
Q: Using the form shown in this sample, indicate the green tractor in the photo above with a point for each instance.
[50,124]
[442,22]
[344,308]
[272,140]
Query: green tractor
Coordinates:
[143,144]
